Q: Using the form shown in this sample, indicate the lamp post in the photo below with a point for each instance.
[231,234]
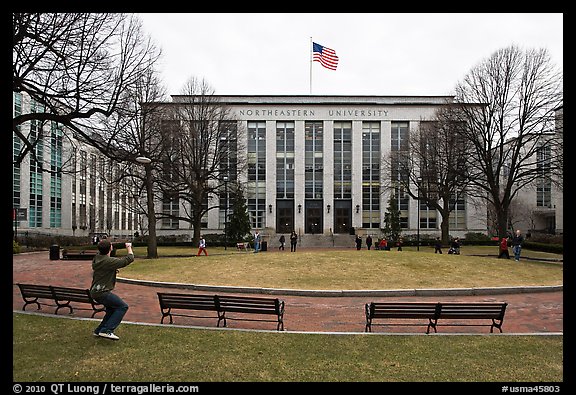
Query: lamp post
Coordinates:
[225,212]
[418,216]
[152,250]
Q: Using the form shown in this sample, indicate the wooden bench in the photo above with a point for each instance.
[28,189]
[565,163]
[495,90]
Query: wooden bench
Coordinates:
[433,312]
[179,301]
[250,305]
[79,254]
[221,305]
[61,296]
[36,294]
[427,311]
[474,311]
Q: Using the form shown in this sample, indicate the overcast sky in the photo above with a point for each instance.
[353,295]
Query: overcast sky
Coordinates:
[379,53]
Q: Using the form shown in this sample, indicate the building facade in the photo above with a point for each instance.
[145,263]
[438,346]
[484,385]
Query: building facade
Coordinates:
[315,164]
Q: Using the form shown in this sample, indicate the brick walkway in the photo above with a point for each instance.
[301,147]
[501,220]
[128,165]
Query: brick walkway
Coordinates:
[534,312]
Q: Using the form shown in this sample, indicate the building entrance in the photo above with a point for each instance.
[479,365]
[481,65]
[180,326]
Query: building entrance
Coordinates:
[313,220]
[284,216]
[342,216]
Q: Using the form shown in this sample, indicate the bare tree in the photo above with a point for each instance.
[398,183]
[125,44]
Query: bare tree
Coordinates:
[139,147]
[431,165]
[200,135]
[77,68]
[520,90]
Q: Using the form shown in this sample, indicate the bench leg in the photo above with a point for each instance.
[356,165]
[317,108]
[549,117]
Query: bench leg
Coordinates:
[26,303]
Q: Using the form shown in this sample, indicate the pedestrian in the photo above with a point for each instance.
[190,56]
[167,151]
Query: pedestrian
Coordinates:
[517,241]
[455,246]
[293,241]
[399,244]
[503,249]
[369,241]
[282,241]
[202,246]
[104,269]
[257,240]
[438,246]
[383,245]
[358,242]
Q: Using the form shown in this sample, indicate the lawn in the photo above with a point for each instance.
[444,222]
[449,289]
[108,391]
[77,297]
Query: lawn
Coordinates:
[346,269]
[58,349]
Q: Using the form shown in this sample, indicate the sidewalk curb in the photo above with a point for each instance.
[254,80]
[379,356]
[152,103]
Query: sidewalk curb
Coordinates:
[348,293]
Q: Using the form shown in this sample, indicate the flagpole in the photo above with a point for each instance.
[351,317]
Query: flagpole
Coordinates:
[311,51]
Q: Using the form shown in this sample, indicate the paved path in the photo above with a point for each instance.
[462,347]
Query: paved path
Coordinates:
[527,312]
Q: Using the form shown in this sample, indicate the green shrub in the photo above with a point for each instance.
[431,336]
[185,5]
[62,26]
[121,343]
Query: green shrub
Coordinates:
[15,247]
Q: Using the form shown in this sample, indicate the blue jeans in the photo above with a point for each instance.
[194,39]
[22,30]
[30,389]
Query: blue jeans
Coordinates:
[116,308]
[256,246]
[517,249]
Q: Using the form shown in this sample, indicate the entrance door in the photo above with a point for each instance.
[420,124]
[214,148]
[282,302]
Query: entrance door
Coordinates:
[313,217]
[284,216]
[342,216]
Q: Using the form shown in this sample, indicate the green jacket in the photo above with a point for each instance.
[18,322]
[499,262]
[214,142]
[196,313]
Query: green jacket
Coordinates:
[105,269]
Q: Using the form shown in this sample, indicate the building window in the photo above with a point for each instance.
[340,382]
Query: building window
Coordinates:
[544,182]
[428,217]
[56,176]
[36,193]
[371,175]
[399,173]
[285,160]
[458,214]
[313,160]
[256,190]
[170,206]
[342,160]
[228,165]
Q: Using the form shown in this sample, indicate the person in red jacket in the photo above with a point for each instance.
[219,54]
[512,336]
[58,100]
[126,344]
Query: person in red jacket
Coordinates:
[503,250]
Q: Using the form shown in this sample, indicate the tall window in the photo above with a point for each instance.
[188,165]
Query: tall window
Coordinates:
[35,203]
[16,146]
[229,164]
[256,191]
[313,160]
[285,160]
[342,160]
[56,176]
[544,183]
[371,175]
[458,214]
[428,217]
[82,193]
[399,174]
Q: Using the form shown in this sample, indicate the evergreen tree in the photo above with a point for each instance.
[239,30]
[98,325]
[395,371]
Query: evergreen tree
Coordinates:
[238,220]
[392,228]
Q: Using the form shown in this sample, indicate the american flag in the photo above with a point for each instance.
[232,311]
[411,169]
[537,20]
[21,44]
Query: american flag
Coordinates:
[326,56]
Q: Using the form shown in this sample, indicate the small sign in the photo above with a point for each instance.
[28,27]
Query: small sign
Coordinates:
[21,214]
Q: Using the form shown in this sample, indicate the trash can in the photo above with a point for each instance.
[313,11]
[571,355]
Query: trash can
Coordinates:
[54,252]
[264,246]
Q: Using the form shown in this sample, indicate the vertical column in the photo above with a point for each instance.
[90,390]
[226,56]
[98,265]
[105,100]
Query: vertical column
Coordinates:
[270,176]
[299,176]
[356,173]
